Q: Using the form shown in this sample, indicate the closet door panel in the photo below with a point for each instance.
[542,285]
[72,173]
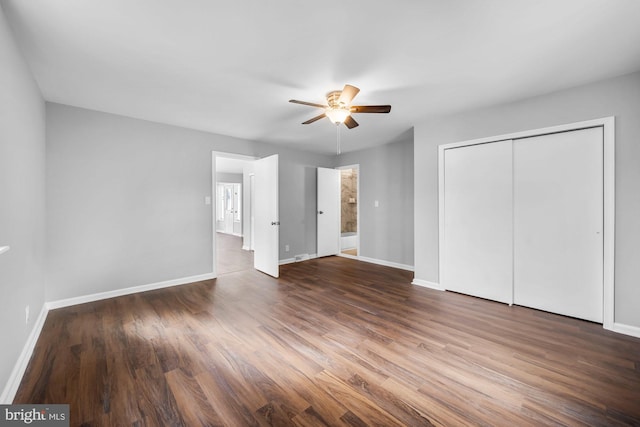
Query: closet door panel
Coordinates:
[558,223]
[478,221]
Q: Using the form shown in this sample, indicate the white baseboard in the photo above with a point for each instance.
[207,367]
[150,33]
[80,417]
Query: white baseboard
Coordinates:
[382,262]
[11,388]
[127,291]
[621,328]
[292,260]
[427,284]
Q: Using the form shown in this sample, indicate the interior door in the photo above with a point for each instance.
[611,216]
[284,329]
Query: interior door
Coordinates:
[266,219]
[478,221]
[328,213]
[558,223]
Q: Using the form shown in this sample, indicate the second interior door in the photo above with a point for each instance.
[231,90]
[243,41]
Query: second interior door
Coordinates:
[328,214]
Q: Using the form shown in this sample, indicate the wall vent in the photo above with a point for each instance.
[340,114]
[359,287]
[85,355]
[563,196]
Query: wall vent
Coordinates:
[302,257]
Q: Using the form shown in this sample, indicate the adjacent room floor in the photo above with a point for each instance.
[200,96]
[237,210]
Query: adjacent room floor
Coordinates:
[230,255]
[334,341]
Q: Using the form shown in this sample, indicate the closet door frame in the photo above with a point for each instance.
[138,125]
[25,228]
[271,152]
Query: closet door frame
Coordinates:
[608,126]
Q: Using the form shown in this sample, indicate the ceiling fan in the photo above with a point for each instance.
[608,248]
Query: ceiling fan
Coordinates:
[339,108]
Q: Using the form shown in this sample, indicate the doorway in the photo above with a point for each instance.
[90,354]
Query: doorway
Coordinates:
[349,212]
[232,210]
[252,220]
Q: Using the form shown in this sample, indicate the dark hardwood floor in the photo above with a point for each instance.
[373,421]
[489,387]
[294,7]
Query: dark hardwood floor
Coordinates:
[332,342]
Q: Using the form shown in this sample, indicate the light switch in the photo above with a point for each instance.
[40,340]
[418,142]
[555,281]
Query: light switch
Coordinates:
[207,200]
[376,204]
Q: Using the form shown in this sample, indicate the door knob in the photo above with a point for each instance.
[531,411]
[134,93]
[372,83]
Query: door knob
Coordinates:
[275,223]
[320,212]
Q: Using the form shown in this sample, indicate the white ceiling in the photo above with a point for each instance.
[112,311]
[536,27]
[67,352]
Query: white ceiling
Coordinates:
[230,67]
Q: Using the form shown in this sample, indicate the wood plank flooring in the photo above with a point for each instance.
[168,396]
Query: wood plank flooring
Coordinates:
[332,342]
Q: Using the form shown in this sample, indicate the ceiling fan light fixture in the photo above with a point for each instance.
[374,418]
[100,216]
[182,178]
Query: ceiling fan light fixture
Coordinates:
[337,115]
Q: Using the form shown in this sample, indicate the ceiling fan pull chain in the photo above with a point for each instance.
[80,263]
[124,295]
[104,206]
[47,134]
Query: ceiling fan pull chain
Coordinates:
[338,137]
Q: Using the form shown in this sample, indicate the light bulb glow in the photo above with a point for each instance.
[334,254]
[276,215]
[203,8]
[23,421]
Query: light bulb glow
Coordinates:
[337,115]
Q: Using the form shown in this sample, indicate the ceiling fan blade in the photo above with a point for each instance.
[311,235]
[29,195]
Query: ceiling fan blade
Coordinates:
[350,123]
[370,108]
[348,93]
[314,119]
[311,104]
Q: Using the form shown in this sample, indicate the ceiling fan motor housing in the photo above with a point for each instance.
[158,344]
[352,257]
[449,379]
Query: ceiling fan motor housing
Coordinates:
[333,97]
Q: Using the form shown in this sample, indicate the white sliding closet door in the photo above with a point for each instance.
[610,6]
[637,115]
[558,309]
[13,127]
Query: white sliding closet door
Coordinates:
[478,211]
[558,223]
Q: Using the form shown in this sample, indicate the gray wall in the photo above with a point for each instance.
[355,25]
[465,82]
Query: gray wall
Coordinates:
[22,196]
[386,175]
[619,97]
[126,200]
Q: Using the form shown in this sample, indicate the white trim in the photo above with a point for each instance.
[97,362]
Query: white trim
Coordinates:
[441,278]
[604,121]
[128,291]
[608,125]
[427,284]
[609,188]
[245,248]
[382,262]
[11,387]
[4,249]
[621,328]
[214,214]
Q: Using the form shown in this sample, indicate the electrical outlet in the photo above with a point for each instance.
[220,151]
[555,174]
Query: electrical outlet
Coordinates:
[26,315]
[286,248]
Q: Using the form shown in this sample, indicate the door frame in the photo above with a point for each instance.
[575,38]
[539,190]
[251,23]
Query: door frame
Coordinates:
[608,125]
[249,247]
[214,200]
[357,167]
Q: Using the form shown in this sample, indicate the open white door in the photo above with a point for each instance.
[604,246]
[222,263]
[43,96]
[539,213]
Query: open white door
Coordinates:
[328,213]
[266,219]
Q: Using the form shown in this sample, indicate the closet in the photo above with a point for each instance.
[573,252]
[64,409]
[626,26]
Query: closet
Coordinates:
[522,221]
